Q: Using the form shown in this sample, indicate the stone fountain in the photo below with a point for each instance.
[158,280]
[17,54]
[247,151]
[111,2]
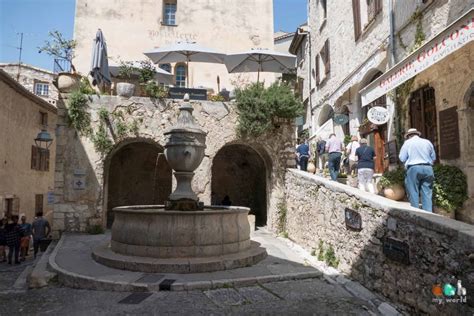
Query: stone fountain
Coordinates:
[183,236]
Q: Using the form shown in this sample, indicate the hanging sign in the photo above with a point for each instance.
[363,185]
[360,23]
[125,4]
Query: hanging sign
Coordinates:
[378,115]
[340,119]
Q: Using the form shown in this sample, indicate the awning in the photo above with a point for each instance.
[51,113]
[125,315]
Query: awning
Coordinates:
[455,36]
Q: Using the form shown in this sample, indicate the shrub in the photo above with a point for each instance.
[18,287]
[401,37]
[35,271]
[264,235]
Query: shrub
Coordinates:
[450,187]
[126,69]
[78,116]
[146,71]
[393,177]
[257,106]
[155,91]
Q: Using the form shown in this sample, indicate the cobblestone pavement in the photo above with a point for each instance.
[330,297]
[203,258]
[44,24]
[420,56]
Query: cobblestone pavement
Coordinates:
[305,297]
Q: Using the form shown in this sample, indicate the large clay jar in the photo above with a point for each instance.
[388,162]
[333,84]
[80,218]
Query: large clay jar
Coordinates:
[125,89]
[68,82]
[394,192]
[311,168]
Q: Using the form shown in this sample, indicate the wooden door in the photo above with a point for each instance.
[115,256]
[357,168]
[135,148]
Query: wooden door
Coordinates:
[379,148]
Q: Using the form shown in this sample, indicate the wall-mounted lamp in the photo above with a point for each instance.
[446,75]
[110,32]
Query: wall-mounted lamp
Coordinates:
[43,139]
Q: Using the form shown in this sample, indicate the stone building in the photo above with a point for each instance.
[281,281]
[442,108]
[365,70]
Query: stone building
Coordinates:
[91,180]
[134,27]
[36,80]
[26,169]
[357,46]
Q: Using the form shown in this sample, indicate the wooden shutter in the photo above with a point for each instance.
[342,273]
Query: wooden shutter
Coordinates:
[317,70]
[46,154]
[34,157]
[356,12]
[327,60]
[38,203]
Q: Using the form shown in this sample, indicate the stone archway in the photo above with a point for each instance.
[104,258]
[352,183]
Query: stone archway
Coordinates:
[239,172]
[137,174]
[325,115]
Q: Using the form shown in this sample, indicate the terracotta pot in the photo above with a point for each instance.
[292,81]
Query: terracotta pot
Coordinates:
[443,212]
[394,192]
[125,89]
[68,82]
[311,167]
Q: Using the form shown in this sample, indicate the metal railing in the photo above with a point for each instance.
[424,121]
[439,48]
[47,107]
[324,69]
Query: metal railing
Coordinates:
[61,65]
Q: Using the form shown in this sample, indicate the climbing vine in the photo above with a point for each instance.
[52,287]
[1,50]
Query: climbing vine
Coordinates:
[77,114]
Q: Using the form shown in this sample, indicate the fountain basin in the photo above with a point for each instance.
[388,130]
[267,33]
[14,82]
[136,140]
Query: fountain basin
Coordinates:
[152,239]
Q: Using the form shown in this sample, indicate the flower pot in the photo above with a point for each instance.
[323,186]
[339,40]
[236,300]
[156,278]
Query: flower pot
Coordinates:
[311,168]
[125,89]
[394,192]
[68,82]
[443,212]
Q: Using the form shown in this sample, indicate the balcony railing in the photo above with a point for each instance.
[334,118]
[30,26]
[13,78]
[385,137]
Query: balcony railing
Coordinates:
[61,65]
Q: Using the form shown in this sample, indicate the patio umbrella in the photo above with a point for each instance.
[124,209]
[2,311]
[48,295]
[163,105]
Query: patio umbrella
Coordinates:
[258,60]
[161,75]
[185,52]
[100,66]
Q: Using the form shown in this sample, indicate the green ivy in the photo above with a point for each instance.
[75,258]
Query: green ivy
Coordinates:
[78,117]
[392,177]
[330,257]
[450,187]
[257,106]
[155,91]
[102,143]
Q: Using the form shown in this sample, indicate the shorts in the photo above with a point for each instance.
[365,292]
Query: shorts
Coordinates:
[25,242]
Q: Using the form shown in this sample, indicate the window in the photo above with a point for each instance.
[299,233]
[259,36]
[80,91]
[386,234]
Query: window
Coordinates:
[41,89]
[39,158]
[38,203]
[180,70]
[169,12]
[364,11]
[43,118]
[165,67]
[323,64]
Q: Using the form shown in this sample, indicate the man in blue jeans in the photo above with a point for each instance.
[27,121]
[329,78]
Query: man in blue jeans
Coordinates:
[418,155]
[303,154]
[334,147]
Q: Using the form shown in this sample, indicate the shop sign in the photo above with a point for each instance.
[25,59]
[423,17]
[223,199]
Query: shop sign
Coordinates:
[340,119]
[457,35]
[449,133]
[378,115]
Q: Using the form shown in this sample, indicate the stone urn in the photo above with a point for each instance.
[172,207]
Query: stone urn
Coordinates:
[125,89]
[311,168]
[394,192]
[184,151]
[68,82]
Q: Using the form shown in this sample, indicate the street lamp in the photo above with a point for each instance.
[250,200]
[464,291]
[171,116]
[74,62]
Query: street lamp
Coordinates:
[43,138]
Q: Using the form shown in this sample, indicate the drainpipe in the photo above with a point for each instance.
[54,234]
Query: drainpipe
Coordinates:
[392,33]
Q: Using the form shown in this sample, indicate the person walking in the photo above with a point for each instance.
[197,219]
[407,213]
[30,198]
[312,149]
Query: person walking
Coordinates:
[13,234]
[365,166]
[25,240]
[40,230]
[321,150]
[418,156]
[352,158]
[335,148]
[303,154]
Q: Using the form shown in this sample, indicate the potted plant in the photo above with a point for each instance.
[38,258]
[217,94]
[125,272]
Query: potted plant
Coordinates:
[392,183]
[126,70]
[146,74]
[449,189]
[62,49]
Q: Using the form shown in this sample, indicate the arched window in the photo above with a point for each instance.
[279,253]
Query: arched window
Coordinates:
[180,75]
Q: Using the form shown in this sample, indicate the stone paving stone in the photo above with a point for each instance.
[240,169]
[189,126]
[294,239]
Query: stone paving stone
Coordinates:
[226,297]
[257,294]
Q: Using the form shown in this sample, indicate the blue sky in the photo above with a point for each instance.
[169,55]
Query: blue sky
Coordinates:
[35,18]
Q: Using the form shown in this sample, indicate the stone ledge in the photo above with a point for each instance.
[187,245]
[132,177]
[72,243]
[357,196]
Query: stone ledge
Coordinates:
[435,222]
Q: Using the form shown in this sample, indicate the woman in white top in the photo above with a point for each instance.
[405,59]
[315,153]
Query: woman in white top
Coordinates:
[351,152]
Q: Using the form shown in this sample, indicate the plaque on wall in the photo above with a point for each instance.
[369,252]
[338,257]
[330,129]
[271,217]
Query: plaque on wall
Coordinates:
[353,219]
[396,250]
[449,134]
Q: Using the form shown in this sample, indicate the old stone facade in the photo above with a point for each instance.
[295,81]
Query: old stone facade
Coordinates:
[88,183]
[353,45]
[26,172]
[132,28]
[36,80]
[438,250]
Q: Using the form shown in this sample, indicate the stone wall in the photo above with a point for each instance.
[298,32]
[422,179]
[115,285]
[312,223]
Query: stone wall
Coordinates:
[439,248]
[78,160]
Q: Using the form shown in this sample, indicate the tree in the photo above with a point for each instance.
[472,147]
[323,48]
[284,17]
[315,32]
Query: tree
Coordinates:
[59,47]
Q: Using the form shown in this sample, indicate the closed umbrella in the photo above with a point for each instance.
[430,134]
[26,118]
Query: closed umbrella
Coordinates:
[185,52]
[100,66]
[259,60]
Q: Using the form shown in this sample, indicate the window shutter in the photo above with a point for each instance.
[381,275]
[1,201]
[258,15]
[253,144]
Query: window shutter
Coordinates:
[317,70]
[356,12]
[33,157]
[327,62]
[46,158]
